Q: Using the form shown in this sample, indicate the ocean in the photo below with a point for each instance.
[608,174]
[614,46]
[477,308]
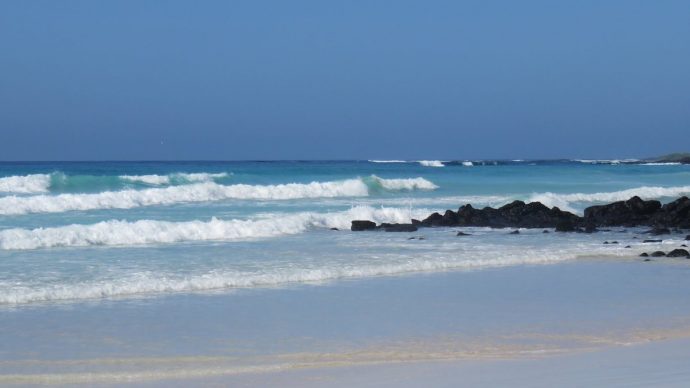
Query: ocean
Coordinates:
[247,274]
[74,232]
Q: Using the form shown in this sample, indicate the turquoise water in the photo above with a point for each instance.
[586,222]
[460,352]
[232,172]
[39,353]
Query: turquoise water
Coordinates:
[72,232]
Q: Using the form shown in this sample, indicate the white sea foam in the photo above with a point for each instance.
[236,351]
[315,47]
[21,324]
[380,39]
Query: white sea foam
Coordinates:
[467,164]
[167,179]
[565,201]
[418,183]
[431,163]
[199,192]
[606,161]
[148,283]
[123,233]
[25,184]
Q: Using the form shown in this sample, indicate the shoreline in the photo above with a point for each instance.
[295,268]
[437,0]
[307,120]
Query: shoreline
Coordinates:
[539,312]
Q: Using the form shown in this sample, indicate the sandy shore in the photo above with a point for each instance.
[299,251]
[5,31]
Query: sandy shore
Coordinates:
[590,322]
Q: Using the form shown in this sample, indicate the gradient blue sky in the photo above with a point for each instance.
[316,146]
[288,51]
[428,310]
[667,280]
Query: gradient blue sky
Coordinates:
[92,80]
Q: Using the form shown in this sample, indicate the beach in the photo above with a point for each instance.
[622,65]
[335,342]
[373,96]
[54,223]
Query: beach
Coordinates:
[247,274]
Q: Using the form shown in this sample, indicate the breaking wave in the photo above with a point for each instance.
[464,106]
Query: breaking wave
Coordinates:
[124,233]
[431,163]
[177,178]
[565,201]
[26,184]
[200,192]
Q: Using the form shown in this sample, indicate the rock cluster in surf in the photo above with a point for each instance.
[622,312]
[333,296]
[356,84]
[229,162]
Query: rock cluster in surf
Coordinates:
[518,214]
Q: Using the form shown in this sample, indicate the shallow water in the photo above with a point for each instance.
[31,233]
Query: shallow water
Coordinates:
[73,232]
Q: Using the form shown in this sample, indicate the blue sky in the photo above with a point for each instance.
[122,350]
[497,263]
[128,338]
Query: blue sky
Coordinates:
[93,80]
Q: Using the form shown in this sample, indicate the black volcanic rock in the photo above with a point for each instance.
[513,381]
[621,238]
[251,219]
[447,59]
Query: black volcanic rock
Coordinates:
[644,254]
[565,226]
[515,232]
[632,212]
[673,214]
[463,234]
[678,253]
[652,241]
[658,231]
[658,254]
[516,214]
[359,225]
[398,227]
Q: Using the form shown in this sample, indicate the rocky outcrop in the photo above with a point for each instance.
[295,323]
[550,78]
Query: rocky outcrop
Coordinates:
[518,214]
[632,212]
[359,225]
[398,227]
[678,253]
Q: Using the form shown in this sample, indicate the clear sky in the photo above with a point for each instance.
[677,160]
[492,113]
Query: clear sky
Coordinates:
[88,80]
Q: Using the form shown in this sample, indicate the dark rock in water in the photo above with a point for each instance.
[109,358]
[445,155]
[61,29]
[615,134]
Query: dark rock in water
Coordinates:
[359,225]
[673,214]
[658,254]
[421,238]
[632,212]
[614,242]
[683,245]
[658,231]
[678,253]
[411,238]
[398,227]
[335,229]
[606,242]
[687,238]
[463,234]
[545,231]
[565,226]
[516,214]
[644,254]
[647,260]
[628,246]
[515,232]
[652,241]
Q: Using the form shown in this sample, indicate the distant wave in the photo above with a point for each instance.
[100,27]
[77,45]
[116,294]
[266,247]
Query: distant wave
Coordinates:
[431,163]
[123,233]
[404,184]
[387,161]
[200,192]
[179,178]
[467,164]
[26,184]
[607,161]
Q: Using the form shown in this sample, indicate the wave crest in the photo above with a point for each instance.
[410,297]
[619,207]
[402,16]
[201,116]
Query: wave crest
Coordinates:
[26,184]
[431,163]
[124,233]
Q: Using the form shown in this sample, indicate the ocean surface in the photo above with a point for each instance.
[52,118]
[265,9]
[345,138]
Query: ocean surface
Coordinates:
[72,232]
